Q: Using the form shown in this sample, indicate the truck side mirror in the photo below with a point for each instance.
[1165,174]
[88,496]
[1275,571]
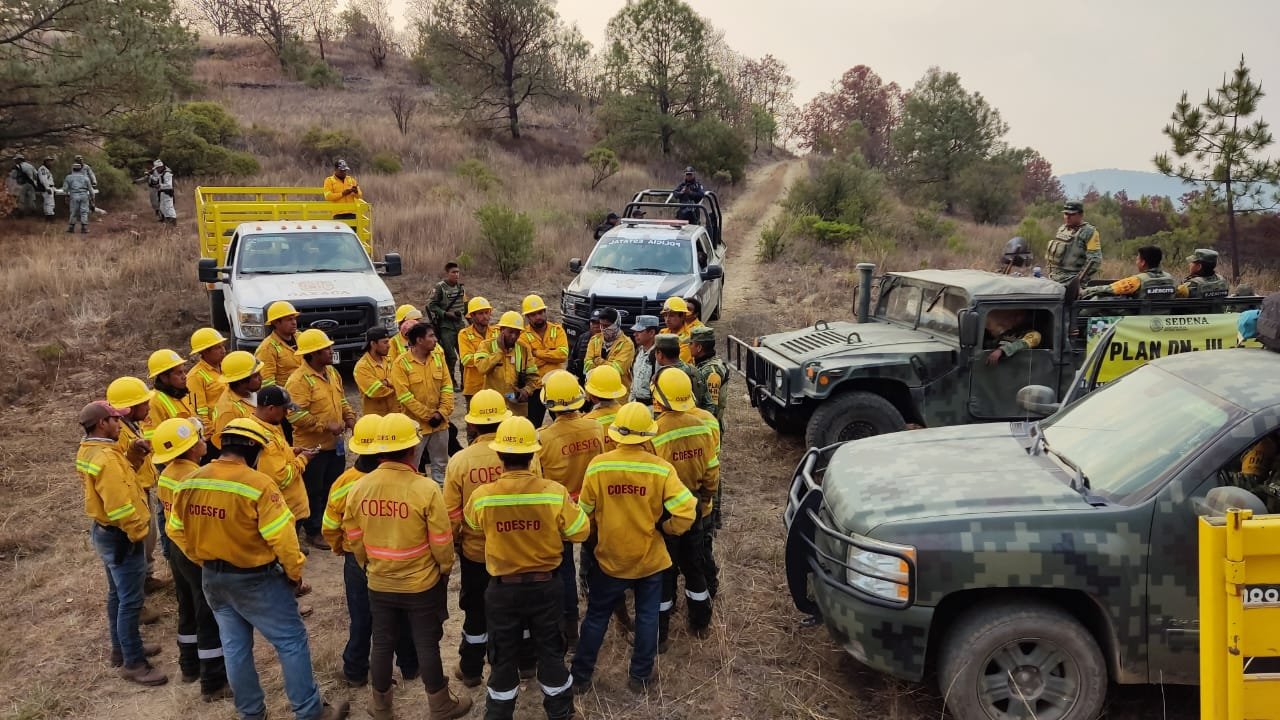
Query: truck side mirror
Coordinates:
[208,271]
[1038,400]
[970,330]
[575,265]
[713,272]
[391,265]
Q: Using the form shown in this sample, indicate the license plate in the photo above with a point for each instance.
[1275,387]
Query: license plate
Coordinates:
[337,357]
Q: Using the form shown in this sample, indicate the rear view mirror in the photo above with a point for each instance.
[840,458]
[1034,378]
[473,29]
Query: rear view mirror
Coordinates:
[207,271]
[1038,400]
[713,272]
[391,265]
[575,265]
[970,330]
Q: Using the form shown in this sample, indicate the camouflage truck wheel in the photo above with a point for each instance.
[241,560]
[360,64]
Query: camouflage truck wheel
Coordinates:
[1016,660]
[851,416]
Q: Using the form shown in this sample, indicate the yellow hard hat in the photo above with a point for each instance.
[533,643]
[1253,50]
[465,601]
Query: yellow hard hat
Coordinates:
[516,435]
[487,407]
[238,365]
[605,382]
[476,304]
[673,390]
[205,338]
[247,428]
[363,434]
[561,391]
[162,361]
[407,312]
[511,319]
[675,304]
[279,310]
[174,437]
[393,433]
[531,304]
[633,425]
[311,340]
[126,392]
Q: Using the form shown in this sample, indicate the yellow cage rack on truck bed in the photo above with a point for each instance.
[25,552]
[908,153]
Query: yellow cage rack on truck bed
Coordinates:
[219,210]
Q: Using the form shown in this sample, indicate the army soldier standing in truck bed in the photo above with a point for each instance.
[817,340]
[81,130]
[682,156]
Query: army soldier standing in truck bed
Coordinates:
[1075,247]
[1150,282]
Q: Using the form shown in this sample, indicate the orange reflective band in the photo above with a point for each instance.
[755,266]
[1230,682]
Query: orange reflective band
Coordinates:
[355,534]
[382,553]
[444,538]
[455,514]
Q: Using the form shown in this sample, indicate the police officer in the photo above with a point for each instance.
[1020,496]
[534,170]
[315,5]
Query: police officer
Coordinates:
[610,222]
[446,308]
[278,353]
[645,331]
[1150,282]
[79,191]
[611,347]
[689,191]
[26,182]
[525,520]
[547,343]
[635,499]
[396,524]
[711,370]
[1075,248]
[1203,280]
[232,520]
[152,179]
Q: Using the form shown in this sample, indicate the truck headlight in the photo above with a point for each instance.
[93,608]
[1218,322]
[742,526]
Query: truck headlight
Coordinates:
[882,575]
[251,324]
[568,305]
[387,316]
[778,377]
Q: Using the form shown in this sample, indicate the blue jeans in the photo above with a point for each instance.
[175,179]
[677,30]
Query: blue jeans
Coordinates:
[126,565]
[243,602]
[355,657]
[602,598]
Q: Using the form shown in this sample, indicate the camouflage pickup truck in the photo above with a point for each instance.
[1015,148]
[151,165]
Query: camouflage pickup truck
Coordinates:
[1027,565]
[918,355]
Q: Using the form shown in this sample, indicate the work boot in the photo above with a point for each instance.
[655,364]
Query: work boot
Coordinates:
[302,541]
[335,712]
[216,695]
[148,616]
[317,542]
[444,705]
[84,229]
[639,685]
[465,679]
[355,682]
[148,649]
[143,673]
[380,708]
[153,583]
[305,609]
[71,228]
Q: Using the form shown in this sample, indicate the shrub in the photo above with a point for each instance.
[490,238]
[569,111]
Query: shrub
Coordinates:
[603,163]
[465,261]
[846,192]
[385,163]
[191,138]
[321,74]
[209,120]
[508,238]
[773,239]
[713,147]
[113,182]
[325,146]
[479,174]
[830,232]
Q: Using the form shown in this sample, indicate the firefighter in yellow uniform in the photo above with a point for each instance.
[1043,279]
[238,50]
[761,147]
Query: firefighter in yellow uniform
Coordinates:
[371,373]
[205,378]
[281,462]
[232,520]
[688,444]
[121,522]
[132,396]
[322,418]
[569,444]
[680,322]
[243,373]
[473,344]
[406,317]
[424,387]
[525,520]
[548,344]
[611,347]
[396,525]
[277,352]
[604,389]
[628,492]
[507,366]
[172,399]
[178,450]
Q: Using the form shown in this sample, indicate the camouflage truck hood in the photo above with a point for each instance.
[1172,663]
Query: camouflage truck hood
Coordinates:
[848,339]
[942,472]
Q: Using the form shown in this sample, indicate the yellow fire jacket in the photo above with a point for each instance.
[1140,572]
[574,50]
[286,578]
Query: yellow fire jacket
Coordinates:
[504,371]
[377,397]
[230,406]
[396,525]
[472,348]
[476,465]
[278,360]
[112,495]
[603,413]
[170,476]
[282,464]
[625,493]
[549,350]
[423,388]
[686,442]
[569,444]
[333,188]
[525,520]
[622,355]
[320,400]
[331,523]
[230,512]
[141,461]
[206,385]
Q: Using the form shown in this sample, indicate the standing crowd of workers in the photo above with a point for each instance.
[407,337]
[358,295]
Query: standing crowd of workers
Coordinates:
[238,466]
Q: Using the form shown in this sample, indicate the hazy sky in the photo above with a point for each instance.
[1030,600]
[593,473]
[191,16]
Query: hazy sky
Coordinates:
[1088,83]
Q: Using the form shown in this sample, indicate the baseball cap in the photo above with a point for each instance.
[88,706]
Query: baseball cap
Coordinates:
[612,216]
[275,396]
[158,163]
[1073,207]
[597,315]
[97,411]
[646,322]
[374,334]
[688,170]
[341,164]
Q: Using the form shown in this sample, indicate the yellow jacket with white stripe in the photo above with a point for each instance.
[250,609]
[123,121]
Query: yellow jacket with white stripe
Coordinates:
[377,397]
[206,385]
[688,443]
[396,525]
[229,407]
[423,388]
[278,360]
[282,464]
[472,348]
[112,495]
[320,401]
[569,444]
[331,523]
[526,520]
[170,477]
[230,512]
[625,493]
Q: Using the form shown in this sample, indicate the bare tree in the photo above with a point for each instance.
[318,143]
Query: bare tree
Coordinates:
[322,20]
[275,22]
[216,15]
[368,24]
[403,106]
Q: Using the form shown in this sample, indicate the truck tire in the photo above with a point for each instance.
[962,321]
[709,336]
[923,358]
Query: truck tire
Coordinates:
[781,421]
[217,312]
[1022,660]
[851,416]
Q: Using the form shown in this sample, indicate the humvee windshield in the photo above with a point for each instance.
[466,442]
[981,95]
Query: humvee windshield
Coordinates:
[927,307]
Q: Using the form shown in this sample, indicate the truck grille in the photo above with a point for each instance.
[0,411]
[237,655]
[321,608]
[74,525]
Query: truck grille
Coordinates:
[353,319]
[629,308]
[813,341]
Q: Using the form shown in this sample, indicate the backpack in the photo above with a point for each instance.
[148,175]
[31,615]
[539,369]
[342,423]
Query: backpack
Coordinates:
[1269,322]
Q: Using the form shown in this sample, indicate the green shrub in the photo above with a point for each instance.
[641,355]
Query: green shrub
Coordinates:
[508,237]
[714,147]
[773,239]
[191,138]
[321,75]
[843,191]
[603,163]
[209,120]
[385,163]
[829,232]
[465,261]
[325,146]
[479,174]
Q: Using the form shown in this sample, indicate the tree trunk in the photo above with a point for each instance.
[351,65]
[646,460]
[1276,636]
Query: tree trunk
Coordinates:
[320,40]
[1231,233]
[513,109]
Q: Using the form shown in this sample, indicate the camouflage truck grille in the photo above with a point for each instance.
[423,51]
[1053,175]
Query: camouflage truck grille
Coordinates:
[814,341]
[344,323]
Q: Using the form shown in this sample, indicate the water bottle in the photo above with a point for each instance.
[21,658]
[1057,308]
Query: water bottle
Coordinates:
[1035,272]
[341,446]
[511,397]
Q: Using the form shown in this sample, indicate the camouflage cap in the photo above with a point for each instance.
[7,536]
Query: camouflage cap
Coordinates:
[668,342]
[1203,255]
[1073,207]
[703,334]
[646,322]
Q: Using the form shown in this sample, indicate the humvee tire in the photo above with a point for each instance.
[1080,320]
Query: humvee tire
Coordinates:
[852,416]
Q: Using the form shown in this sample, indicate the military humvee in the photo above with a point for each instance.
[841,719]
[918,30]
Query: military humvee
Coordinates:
[917,355]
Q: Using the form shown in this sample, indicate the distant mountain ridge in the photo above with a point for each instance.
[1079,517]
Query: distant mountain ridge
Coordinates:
[1135,183]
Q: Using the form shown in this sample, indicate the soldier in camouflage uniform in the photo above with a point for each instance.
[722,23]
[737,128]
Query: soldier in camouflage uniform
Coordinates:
[77,187]
[711,370]
[1075,247]
[1010,331]
[1150,282]
[1203,280]
[447,305]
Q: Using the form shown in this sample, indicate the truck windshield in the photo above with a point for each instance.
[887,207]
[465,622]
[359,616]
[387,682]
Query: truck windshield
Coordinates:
[672,256]
[305,252]
[1130,432]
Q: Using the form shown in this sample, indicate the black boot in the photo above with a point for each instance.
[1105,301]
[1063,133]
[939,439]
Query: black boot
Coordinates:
[189,662]
[499,709]
[213,680]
